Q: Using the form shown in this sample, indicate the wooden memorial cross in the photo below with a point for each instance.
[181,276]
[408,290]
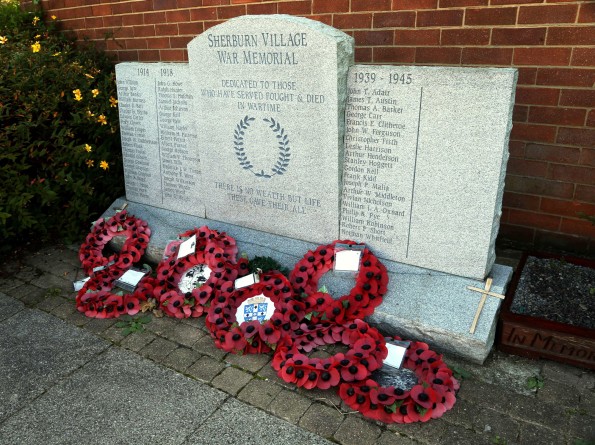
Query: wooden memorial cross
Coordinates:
[484,295]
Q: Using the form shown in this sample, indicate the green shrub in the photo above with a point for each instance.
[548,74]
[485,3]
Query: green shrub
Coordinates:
[60,156]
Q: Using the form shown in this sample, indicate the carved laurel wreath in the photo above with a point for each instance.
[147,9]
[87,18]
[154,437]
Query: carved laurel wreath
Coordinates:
[283,145]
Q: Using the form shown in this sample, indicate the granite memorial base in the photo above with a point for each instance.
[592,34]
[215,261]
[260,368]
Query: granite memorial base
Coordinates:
[420,304]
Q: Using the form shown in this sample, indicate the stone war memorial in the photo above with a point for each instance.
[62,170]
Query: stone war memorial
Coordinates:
[273,135]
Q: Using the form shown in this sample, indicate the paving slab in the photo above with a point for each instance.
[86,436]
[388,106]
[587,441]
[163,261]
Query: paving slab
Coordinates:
[35,352]
[9,306]
[236,423]
[116,398]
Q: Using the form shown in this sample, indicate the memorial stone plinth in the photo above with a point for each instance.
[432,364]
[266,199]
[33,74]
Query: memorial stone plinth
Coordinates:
[421,304]
[425,159]
[159,134]
[269,100]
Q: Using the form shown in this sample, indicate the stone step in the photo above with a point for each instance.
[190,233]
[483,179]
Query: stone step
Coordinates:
[420,304]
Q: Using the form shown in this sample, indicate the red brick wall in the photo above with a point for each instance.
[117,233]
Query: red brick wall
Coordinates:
[551,172]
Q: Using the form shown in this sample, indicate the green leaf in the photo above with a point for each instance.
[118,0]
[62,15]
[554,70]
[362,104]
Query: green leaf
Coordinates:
[323,289]
[144,319]
[421,410]
[392,408]
[460,373]
[308,316]
[127,331]
[121,324]
[345,303]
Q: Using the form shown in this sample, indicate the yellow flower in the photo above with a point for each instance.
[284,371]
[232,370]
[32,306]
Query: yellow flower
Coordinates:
[102,120]
[89,76]
[54,17]
[104,165]
[57,54]
[113,102]
[77,94]
[35,20]
[90,114]
[95,92]
[3,40]
[90,162]
[88,148]
[38,36]
[36,47]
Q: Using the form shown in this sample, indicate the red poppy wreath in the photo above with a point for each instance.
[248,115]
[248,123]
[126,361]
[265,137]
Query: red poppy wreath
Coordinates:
[366,354]
[255,318]
[96,299]
[137,235]
[184,287]
[430,398]
[370,286]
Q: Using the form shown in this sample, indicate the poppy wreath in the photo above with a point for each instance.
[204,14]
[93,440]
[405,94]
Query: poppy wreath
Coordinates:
[370,285]
[136,231]
[214,249]
[96,299]
[254,337]
[429,399]
[366,354]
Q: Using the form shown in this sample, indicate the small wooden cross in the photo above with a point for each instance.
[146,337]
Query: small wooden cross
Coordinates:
[484,295]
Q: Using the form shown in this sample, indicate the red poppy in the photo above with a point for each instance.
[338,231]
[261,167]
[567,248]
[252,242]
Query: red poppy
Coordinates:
[354,371]
[269,334]
[132,304]
[329,376]
[382,395]
[424,397]
[234,341]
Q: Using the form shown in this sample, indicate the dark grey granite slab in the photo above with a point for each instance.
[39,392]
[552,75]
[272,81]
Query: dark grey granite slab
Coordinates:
[236,423]
[118,398]
[37,350]
[9,306]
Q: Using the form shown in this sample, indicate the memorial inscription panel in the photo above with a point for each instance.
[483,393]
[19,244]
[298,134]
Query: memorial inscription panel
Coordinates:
[159,136]
[425,159]
[270,94]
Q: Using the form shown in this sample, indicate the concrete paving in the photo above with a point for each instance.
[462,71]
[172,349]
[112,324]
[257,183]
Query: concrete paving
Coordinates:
[65,378]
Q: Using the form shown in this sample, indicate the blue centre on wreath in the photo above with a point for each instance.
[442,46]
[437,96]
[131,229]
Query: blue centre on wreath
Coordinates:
[256,311]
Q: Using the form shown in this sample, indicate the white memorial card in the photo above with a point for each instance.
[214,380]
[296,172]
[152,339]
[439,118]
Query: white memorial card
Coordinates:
[396,353]
[248,280]
[78,285]
[188,247]
[130,279]
[347,257]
